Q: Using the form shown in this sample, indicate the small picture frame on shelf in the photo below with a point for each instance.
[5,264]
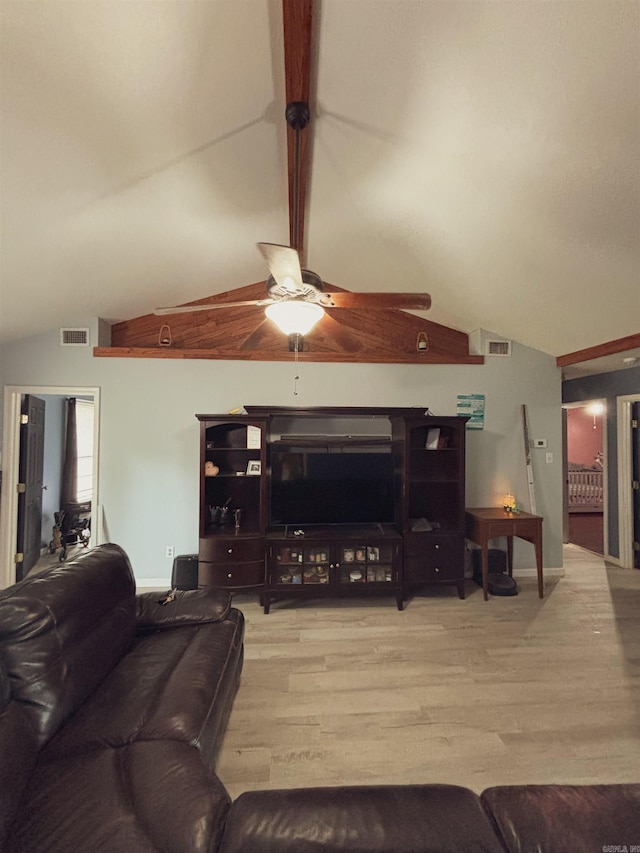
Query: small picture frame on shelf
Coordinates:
[253,437]
[433,438]
[254,467]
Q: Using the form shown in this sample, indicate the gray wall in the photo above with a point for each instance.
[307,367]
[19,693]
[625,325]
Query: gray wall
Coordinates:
[149,435]
[609,386]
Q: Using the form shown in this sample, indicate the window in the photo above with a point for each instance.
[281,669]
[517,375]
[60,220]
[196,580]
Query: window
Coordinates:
[84,434]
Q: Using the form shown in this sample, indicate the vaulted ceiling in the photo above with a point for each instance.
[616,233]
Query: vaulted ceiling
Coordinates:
[484,151]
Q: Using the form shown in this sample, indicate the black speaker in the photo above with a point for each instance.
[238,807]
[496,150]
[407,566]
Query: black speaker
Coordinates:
[496,561]
[185,572]
[498,581]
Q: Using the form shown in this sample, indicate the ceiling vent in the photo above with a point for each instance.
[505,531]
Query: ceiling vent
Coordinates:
[499,347]
[74,337]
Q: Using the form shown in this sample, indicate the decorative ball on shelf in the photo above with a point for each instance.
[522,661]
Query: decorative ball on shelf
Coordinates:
[210,470]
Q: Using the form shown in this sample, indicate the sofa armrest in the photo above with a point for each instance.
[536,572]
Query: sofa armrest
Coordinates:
[183,607]
[557,818]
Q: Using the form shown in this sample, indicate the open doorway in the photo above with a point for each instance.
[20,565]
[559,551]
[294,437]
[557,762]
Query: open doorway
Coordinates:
[585,427]
[13,397]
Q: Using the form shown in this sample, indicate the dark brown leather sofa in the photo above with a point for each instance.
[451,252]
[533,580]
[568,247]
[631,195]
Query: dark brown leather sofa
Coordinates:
[436,819]
[112,710]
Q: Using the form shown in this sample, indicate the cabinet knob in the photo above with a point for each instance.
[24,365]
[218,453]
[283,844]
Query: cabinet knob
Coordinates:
[437,569]
[229,550]
[437,547]
[229,575]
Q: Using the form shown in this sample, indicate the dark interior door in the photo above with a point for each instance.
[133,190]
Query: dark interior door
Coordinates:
[30,488]
[635,453]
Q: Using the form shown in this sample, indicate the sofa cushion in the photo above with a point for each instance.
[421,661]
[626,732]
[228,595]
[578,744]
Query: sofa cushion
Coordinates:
[559,818]
[137,799]
[360,819]
[186,607]
[177,684]
[63,630]
[18,748]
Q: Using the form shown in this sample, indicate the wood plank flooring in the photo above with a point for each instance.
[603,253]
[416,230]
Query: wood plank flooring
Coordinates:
[514,690]
[586,530]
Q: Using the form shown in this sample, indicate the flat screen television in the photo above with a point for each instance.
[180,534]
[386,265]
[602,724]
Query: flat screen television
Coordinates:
[320,487]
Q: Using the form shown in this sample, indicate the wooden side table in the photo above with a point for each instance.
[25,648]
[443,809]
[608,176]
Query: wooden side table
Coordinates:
[486,523]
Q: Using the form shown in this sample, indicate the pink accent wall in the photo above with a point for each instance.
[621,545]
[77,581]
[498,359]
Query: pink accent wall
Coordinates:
[583,441]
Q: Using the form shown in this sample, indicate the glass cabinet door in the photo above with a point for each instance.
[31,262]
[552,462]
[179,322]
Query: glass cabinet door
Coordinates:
[302,564]
[364,563]
[316,564]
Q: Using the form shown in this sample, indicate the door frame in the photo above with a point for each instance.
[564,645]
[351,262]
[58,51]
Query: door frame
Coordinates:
[625,491]
[11,458]
[582,404]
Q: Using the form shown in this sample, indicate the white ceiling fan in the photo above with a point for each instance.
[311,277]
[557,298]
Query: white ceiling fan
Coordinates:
[295,298]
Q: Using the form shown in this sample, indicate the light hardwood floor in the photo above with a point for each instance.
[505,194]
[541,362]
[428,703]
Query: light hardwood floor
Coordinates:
[514,690]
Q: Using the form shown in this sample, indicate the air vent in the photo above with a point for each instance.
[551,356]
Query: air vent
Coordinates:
[74,337]
[500,348]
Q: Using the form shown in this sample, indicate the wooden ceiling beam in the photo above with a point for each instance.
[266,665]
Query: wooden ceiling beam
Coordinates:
[297,25]
[345,334]
[283,355]
[609,348]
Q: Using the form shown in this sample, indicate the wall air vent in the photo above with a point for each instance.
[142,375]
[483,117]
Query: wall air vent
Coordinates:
[74,337]
[499,347]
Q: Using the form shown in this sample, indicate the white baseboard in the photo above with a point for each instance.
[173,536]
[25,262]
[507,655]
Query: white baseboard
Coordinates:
[153,584]
[557,572]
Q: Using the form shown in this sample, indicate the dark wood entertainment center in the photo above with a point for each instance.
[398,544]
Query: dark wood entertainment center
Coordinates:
[259,481]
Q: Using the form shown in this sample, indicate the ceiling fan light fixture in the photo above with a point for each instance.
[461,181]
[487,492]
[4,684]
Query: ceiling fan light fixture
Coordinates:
[294,317]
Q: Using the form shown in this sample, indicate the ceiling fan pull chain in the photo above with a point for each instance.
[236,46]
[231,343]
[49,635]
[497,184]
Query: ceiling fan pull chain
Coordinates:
[295,359]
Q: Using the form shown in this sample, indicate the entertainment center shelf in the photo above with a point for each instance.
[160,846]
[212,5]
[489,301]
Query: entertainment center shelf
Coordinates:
[334,560]
[331,441]
[331,501]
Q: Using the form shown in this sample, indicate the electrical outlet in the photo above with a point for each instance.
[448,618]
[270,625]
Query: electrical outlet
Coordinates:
[169,551]
[549,458]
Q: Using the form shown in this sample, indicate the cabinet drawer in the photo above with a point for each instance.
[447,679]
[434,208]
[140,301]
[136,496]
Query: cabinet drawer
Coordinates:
[433,545]
[216,549]
[231,574]
[500,528]
[518,527]
[511,527]
[418,571]
[434,558]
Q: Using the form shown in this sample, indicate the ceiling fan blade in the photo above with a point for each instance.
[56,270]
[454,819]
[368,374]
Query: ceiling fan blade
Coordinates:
[189,309]
[407,301]
[284,265]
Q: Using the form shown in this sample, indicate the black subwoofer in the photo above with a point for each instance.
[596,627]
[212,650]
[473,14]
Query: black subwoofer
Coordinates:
[185,572]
